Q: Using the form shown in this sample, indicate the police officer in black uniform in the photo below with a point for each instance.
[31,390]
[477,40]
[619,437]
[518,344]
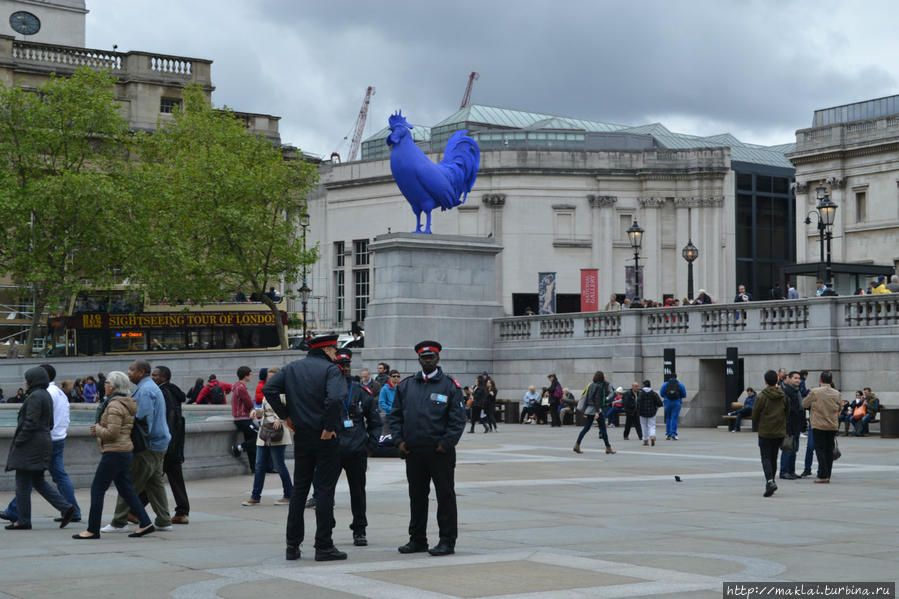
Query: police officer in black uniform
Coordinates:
[313,388]
[360,427]
[427,420]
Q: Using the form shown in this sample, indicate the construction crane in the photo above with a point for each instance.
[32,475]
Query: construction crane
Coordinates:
[360,124]
[471,79]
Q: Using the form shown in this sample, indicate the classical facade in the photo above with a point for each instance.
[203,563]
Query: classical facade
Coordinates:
[559,195]
[59,22]
[853,152]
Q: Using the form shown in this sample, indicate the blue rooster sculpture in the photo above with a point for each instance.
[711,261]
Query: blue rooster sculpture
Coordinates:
[426,185]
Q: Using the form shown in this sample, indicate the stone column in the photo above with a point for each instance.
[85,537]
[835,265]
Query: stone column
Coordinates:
[683,207]
[440,287]
[651,254]
[495,202]
[719,280]
[603,229]
[801,190]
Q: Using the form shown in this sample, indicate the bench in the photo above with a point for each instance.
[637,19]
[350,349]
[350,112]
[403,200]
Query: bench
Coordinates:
[737,405]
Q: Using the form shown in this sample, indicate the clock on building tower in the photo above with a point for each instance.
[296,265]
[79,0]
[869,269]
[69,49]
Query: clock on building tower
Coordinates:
[24,22]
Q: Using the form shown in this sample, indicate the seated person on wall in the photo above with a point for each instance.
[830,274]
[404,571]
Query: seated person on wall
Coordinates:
[529,404]
[745,411]
[872,406]
[616,407]
[569,403]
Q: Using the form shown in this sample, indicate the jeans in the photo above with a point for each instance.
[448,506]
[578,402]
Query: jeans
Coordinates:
[740,414]
[612,412]
[25,481]
[588,422]
[768,451]
[59,476]
[275,453]
[788,458]
[672,414]
[861,426]
[824,441]
[114,467]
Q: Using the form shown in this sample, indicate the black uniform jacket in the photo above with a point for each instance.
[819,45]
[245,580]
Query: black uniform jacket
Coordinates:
[313,389]
[428,412]
[363,411]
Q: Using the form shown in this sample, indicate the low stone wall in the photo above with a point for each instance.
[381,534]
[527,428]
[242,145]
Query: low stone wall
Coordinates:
[207,449]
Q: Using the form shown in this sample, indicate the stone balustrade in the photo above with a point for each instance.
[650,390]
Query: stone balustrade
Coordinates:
[840,134]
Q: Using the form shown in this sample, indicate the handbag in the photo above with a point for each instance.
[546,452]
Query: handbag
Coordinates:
[859,412]
[787,444]
[269,434]
[836,450]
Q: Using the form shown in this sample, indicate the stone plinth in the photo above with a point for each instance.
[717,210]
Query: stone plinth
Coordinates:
[440,287]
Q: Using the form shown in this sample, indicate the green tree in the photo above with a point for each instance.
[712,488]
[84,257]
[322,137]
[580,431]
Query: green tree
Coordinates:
[62,149]
[225,208]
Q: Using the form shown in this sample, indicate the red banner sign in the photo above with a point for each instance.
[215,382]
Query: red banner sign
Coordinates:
[589,290]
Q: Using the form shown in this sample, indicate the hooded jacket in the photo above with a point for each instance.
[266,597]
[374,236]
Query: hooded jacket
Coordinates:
[648,402]
[770,411]
[113,432]
[31,447]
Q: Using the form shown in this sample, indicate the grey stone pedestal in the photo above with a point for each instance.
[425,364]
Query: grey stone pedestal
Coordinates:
[438,287]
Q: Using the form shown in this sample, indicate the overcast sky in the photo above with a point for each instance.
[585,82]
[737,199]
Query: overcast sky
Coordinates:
[757,69]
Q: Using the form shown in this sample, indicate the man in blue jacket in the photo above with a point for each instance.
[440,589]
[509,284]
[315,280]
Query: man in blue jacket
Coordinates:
[427,420]
[673,393]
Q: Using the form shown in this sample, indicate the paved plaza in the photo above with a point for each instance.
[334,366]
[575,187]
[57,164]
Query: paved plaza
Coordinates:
[536,520]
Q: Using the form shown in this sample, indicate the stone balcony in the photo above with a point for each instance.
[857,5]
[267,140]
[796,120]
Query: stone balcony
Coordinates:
[164,69]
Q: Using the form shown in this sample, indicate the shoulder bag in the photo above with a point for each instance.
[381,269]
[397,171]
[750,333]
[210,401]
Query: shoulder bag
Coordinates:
[269,434]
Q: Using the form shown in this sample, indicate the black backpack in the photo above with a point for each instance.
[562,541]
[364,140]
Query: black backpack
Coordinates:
[672,391]
[216,395]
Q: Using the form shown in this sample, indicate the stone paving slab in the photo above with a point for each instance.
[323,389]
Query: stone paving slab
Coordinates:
[536,521]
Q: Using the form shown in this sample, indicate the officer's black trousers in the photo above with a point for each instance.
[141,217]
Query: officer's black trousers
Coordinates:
[320,459]
[355,466]
[423,466]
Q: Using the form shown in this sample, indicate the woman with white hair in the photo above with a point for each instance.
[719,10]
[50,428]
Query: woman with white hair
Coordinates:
[115,419]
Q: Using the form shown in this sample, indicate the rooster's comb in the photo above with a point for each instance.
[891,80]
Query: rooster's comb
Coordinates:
[397,119]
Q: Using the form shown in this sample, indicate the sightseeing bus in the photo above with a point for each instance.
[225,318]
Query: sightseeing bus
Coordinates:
[122,321]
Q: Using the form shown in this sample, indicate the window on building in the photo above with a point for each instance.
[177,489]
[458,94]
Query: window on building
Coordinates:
[564,224]
[167,105]
[861,206]
[360,252]
[624,223]
[360,282]
[340,294]
[339,259]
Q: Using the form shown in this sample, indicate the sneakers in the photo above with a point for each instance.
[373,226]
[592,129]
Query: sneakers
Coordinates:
[113,528]
[770,487]
[283,501]
[235,450]
[250,501]
[164,528]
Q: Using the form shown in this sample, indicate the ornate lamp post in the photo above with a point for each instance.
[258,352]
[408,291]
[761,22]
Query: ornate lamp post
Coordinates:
[690,254]
[635,234]
[304,291]
[827,211]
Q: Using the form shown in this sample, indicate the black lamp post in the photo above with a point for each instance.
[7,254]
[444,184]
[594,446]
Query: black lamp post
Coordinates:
[827,212]
[690,253]
[304,291]
[635,234]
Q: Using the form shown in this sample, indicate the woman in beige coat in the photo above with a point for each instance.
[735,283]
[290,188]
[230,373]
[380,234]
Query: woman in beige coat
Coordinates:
[270,452]
[113,433]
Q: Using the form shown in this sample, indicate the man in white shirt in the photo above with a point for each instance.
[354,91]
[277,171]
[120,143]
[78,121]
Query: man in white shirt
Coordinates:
[529,404]
[58,436]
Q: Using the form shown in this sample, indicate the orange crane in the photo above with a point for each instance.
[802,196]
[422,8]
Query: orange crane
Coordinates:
[360,124]
[471,79]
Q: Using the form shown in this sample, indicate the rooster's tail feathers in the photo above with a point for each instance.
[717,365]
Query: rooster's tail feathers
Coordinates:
[460,163]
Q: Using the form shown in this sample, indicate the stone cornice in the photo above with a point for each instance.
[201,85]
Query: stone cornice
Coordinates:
[601,201]
[651,202]
[699,202]
[494,200]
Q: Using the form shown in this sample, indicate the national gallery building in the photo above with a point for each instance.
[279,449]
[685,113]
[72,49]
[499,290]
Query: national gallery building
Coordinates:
[559,195]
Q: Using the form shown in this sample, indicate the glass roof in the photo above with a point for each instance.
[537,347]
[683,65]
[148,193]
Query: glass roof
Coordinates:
[419,133]
[520,119]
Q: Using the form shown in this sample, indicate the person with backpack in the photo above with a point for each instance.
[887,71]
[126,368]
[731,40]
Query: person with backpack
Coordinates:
[594,402]
[214,392]
[673,393]
[648,404]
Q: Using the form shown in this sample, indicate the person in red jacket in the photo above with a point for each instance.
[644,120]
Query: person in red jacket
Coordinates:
[242,410]
[210,395]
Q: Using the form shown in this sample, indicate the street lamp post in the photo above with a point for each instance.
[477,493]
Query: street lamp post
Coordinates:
[690,254]
[304,291]
[827,211]
[635,234]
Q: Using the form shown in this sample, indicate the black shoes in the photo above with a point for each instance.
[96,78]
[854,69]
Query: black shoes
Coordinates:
[142,532]
[17,526]
[331,554]
[235,451]
[67,517]
[310,503]
[788,476]
[80,537]
[770,487]
[359,540]
[292,553]
[442,548]
[413,547]
[72,520]
[805,473]
[5,516]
